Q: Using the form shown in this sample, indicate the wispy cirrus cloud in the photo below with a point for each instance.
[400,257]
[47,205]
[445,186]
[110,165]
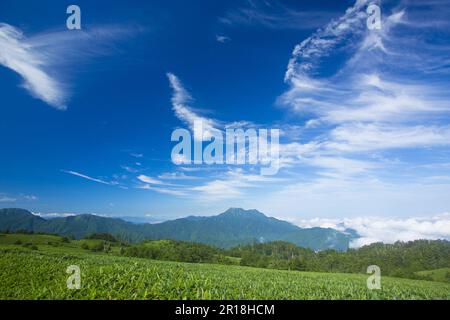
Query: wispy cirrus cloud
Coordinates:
[84,176]
[31,197]
[160,186]
[225,183]
[233,183]
[137,155]
[275,15]
[172,192]
[180,104]
[18,55]
[53,215]
[39,59]
[149,180]
[6,198]
[371,102]
[222,38]
[310,51]
[177,176]
[129,169]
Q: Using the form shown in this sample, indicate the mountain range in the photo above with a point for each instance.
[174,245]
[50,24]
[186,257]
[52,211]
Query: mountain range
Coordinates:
[231,228]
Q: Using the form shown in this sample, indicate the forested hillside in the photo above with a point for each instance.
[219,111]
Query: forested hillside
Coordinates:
[401,259]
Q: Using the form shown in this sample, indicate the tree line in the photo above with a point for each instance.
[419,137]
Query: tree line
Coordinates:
[400,259]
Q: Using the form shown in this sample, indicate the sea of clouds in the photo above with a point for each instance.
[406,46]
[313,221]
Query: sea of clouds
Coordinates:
[385,229]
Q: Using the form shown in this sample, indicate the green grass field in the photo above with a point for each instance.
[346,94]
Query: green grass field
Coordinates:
[442,274]
[27,273]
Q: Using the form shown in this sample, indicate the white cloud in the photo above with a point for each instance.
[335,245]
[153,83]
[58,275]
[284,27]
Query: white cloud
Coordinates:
[221,189]
[387,230]
[180,100]
[8,198]
[38,58]
[338,166]
[176,176]
[54,215]
[366,137]
[148,179]
[232,184]
[343,195]
[137,155]
[274,15]
[5,198]
[77,174]
[311,50]
[173,192]
[222,39]
[30,197]
[130,169]
[160,186]
[18,55]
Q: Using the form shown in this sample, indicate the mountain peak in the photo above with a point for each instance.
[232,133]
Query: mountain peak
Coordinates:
[239,212]
[16,212]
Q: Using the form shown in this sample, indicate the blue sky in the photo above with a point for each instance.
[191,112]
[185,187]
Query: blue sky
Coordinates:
[86,115]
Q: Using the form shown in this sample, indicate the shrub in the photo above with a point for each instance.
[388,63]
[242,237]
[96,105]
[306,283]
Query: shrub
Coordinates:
[65,240]
[97,247]
[102,236]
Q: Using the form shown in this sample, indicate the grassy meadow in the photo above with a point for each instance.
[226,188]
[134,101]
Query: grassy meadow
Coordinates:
[34,267]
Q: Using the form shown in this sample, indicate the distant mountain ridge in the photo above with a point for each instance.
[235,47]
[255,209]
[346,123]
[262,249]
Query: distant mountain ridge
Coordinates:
[231,228]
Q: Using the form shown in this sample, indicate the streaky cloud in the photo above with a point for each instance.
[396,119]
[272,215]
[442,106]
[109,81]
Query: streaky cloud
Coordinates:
[81,175]
[42,59]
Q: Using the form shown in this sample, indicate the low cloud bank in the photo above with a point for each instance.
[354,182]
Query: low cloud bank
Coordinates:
[384,229]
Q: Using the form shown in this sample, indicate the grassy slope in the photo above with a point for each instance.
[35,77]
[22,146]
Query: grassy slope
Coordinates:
[436,275]
[41,274]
